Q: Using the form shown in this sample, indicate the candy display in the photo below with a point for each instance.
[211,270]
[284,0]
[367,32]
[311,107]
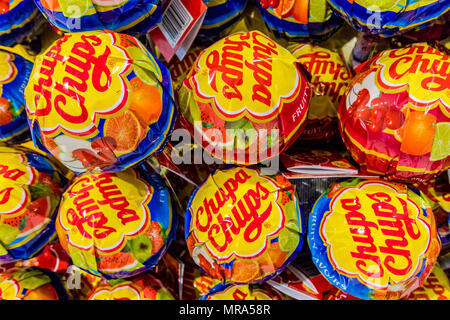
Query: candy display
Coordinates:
[220,14]
[373,239]
[129,16]
[19,21]
[111,116]
[15,71]
[300,19]
[116,225]
[31,189]
[31,284]
[395,118]
[242,227]
[245,100]
[228,150]
[330,77]
[388,18]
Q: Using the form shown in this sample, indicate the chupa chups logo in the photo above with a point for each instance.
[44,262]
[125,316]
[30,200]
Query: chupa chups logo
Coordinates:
[421,67]
[76,69]
[8,70]
[10,289]
[246,74]
[329,76]
[235,213]
[384,234]
[15,175]
[432,289]
[241,293]
[123,291]
[97,213]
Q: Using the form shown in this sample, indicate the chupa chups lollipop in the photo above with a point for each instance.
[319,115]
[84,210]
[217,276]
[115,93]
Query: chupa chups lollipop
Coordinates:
[141,287]
[116,224]
[389,18]
[31,189]
[299,19]
[246,99]
[179,69]
[436,287]
[15,71]
[373,239]
[134,17]
[220,15]
[111,115]
[242,292]
[330,77]
[20,21]
[395,117]
[242,227]
[31,284]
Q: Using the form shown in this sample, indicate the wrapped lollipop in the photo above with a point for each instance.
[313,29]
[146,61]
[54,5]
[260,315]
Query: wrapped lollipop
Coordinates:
[330,77]
[31,188]
[20,22]
[220,15]
[15,71]
[373,239]
[31,284]
[134,17]
[242,227]
[299,19]
[109,117]
[395,117]
[245,100]
[389,18]
[242,292]
[116,224]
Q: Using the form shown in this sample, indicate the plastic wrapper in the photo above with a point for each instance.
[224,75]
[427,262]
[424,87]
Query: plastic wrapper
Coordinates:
[389,18]
[15,72]
[373,239]
[242,292]
[111,116]
[116,225]
[220,15]
[394,118]
[299,19]
[329,79]
[242,227]
[20,21]
[436,287]
[31,284]
[31,189]
[245,100]
[134,17]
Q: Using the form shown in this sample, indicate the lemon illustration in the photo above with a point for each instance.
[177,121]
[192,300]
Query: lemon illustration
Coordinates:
[441,146]
[288,238]
[318,10]
[164,294]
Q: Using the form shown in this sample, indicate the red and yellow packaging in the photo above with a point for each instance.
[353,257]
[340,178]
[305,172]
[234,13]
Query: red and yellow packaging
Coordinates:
[242,227]
[373,239]
[395,117]
[116,225]
[330,77]
[245,100]
[436,287]
[31,284]
[242,292]
[99,101]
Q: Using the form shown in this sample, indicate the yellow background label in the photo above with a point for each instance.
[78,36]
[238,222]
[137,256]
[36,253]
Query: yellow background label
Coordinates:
[123,291]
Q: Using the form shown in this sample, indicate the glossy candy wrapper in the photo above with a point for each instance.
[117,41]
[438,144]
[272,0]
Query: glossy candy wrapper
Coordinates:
[395,118]
[31,188]
[389,18]
[242,227]
[31,284]
[15,71]
[249,108]
[330,77]
[18,21]
[299,19]
[373,239]
[113,115]
[124,226]
[220,15]
[126,16]
[242,292]
[436,287]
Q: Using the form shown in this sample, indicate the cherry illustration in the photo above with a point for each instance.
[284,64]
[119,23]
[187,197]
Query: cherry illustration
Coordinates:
[362,99]
[394,119]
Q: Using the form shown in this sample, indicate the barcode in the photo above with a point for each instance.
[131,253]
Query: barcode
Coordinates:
[175,20]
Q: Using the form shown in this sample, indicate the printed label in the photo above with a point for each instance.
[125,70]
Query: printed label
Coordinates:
[124,291]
